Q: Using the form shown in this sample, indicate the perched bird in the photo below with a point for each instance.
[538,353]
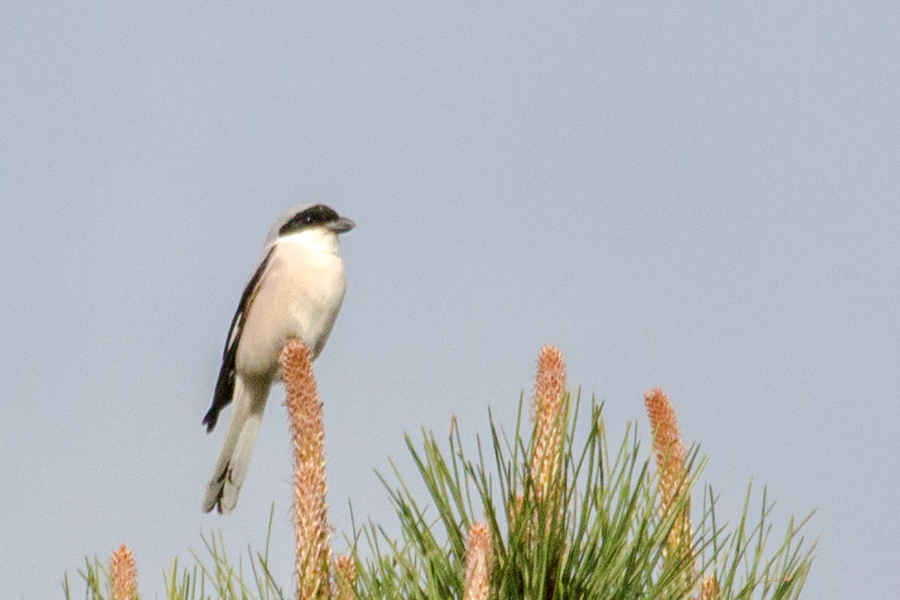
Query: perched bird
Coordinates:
[295,293]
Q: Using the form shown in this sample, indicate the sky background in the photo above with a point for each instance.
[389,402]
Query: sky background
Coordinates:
[695,196]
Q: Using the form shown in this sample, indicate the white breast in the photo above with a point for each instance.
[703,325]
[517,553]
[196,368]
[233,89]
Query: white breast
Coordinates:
[299,297]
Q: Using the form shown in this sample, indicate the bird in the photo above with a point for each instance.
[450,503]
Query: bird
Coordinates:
[296,292]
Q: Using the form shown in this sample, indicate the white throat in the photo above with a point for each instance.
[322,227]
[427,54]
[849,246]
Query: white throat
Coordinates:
[319,239]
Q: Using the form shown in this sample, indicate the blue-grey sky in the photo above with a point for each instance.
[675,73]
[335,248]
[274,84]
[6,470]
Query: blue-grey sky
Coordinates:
[700,196]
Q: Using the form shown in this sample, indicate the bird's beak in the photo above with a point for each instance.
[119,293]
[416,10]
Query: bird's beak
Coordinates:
[342,225]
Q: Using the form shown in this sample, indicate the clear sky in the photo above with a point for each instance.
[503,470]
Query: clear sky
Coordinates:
[700,196]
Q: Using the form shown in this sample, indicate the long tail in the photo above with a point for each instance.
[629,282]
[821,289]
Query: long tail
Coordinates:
[237,447]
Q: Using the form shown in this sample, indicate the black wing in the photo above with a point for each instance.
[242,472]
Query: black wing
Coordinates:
[225,384]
